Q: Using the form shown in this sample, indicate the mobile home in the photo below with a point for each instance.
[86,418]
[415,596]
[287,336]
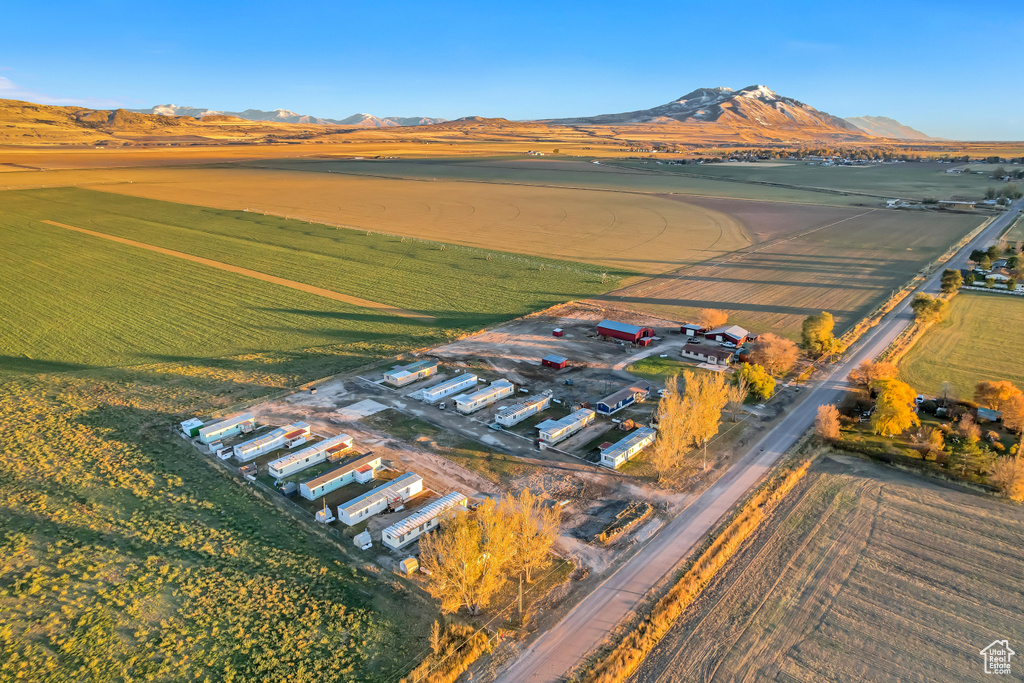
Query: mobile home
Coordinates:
[238,424]
[407,374]
[448,387]
[373,502]
[513,415]
[191,427]
[553,431]
[627,396]
[288,436]
[309,456]
[415,525]
[357,469]
[497,390]
[618,453]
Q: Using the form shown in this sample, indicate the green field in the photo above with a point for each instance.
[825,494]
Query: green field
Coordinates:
[1016,232]
[967,347]
[82,300]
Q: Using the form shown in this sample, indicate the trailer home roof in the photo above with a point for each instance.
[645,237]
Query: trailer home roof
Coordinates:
[341,470]
[333,444]
[226,424]
[426,513]
[382,492]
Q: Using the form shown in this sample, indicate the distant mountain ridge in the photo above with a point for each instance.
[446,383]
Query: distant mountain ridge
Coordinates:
[884,127]
[287,116]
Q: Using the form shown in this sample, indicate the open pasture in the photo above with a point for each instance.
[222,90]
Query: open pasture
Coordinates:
[847,266]
[962,349]
[862,574]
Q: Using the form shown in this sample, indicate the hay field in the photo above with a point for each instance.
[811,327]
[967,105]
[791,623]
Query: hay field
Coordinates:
[863,574]
[846,266]
[78,300]
[1016,232]
[964,350]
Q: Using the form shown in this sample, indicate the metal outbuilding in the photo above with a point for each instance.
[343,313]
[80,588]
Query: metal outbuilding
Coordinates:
[624,331]
[554,361]
[191,427]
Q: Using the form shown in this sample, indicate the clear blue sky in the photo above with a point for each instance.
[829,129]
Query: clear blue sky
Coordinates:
[952,69]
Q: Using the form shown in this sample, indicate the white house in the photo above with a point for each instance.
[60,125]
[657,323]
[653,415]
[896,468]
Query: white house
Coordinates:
[407,374]
[711,356]
[513,415]
[551,432]
[358,469]
[497,390]
[448,387]
[373,502]
[309,456]
[620,452]
[225,429]
[288,436]
[427,518]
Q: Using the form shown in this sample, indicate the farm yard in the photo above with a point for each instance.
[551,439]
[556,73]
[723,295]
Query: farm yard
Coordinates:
[961,349]
[864,573]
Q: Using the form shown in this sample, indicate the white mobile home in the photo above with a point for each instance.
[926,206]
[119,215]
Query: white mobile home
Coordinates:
[191,427]
[415,525]
[407,374]
[358,469]
[309,456]
[448,387]
[497,390]
[618,453]
[238,424]
[553,431]
[373,502]
[513,415]
[288,436]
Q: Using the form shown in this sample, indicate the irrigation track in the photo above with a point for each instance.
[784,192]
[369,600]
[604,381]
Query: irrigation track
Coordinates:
[302,287]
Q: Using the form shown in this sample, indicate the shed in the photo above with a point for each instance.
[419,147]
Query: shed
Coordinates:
[557,332]
[635,393]
[728,333]
[554,361]
[691,329]
[408,566]
[624,331]
[989,415]
[191,427]
[363,540]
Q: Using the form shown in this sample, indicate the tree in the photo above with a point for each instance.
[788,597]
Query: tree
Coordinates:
[818,334]
[868,372]
[951,280]
[532,529]
[1008,477]
[774,353]
[929,309]
[735,394]
[1013,413]
[965,455]
[992,252]
[1011,284]
[894,407]
[994,395]
[826,424]
[990,193]
[669,442]
[968,429]
[710,318]
[970,279]
[759,381]
[704,396]
[1012,262]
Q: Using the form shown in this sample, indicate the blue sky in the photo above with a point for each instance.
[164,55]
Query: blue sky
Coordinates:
[937,66]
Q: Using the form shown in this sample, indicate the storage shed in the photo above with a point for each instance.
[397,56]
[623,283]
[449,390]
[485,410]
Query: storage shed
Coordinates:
[635,393]
[624,331]
[709,355]
[242,423]
[690,329]
[448,387]
[497,390]
[312,455]
[376,501]
[288,436]
[191,427]
[407,374]
[551,432]
[613,456]
[557,332]
[554,361]
[403,533]
[339,476]
[513,415]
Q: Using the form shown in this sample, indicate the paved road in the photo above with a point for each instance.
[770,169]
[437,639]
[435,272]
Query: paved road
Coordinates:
[560,649]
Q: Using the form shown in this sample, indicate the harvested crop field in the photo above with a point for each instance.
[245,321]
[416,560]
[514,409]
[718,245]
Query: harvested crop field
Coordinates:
[863,574]
[961,349]
[847,267]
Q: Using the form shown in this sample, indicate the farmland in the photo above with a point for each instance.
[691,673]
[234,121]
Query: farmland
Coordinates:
[1016,232]
[962,351]
[846,265]
[863,574]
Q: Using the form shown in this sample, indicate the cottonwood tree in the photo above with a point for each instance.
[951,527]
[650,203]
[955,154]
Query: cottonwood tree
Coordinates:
[868,372]
[532,528]
[669,442]
[995,395]
[774,353]
[894,408]
[817,334]
[1008,476]
[710,318]
[735,394]
[704,396]
[1013,414]
[826,422]
[759,380]
[968,429]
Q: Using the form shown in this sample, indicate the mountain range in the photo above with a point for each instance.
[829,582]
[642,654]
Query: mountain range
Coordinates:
[884,127]
[286,116]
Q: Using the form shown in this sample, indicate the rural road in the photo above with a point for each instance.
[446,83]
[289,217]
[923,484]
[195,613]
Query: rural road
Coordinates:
[556,652]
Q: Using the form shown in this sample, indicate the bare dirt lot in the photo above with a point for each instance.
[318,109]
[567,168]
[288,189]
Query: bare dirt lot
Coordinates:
[863,574]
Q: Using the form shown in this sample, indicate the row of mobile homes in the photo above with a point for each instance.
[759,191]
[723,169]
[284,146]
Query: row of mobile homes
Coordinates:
[395,493]
[283,437]
[407,374]
[635,393]
[448,387]
[360,470]
[618,453]
[623,331]
[415,525]
[494,392]
[513,415]
[312,455]
[553,431]
[225,429]
[191,427]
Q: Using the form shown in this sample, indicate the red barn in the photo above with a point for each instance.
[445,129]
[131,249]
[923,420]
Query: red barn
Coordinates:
[553,361]
[624,331]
